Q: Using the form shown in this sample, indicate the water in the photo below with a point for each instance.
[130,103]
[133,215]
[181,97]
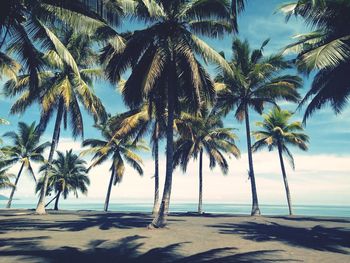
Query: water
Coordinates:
[225,208]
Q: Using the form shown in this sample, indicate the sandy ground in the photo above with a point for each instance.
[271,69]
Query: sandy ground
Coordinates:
[123,237]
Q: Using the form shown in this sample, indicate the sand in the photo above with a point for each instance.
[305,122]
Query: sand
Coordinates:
[86,236]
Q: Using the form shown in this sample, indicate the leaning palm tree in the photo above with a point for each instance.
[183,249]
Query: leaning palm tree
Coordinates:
[163,57]
[257,80]
[278,133]
[119,151]
[25,149]
[325,50]
[62,90]
[204,134]
[68,173]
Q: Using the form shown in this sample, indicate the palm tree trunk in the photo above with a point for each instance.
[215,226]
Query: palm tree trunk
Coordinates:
[289,200]
[200,202]
[14,188]
[156,176]
[40,209]
[51,201]
[160,220]
[255,202]
[109,190]
[57,199]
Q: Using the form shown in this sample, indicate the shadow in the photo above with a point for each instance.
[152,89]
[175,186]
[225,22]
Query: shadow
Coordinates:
[313,219]
[128,250]
[104,221]
[195,214]
[318,238]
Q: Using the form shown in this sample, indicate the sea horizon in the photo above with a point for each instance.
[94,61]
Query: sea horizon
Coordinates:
[184,207]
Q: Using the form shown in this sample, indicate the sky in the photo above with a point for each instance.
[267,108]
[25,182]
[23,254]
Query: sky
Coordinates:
[321,175]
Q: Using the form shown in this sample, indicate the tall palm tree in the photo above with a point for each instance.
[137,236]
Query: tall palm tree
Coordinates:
[119,151]
[278,133]
[257,80]
[199,134]
[62,90]
[25,149]
[68,173]
[137,122]
[163,56]
[325,50]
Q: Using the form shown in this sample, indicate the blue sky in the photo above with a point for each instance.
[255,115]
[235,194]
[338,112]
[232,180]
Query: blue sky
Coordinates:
[329,133]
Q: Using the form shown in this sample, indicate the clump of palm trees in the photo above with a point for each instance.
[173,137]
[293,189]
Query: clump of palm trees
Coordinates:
[169,91]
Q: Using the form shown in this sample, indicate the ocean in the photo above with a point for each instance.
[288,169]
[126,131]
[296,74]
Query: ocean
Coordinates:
[223,208]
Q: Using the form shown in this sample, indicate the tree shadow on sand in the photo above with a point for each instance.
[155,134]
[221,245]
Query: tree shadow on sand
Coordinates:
[313,219]
[103,221]
[126,250]
[318,238]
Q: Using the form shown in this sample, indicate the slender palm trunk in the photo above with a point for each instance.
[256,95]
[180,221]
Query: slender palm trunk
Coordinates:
[14,188]
[200,202]
[160,219]
[53,199]
[289,199]
[57,199]
[156,176]
[255,202]
[40,209]
[109,190]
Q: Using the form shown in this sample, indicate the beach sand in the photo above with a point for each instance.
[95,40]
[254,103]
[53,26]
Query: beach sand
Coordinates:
[86,236]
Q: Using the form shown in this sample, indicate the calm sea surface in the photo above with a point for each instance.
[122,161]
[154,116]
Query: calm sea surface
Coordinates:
[306,210]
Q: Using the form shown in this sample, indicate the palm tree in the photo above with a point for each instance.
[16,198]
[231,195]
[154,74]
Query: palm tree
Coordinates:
[163,59]
[5,181]
[2,122]
[62,90]
[257,80]
[199,134]
[24,30]
[68,173]
[120,151]
[25,149]
[325,50]
[137,122]
[278,133]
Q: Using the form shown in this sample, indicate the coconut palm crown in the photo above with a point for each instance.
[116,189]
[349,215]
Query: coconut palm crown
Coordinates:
[325,50]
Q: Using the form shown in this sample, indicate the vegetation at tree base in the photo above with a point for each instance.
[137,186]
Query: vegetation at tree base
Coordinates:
[52,53]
